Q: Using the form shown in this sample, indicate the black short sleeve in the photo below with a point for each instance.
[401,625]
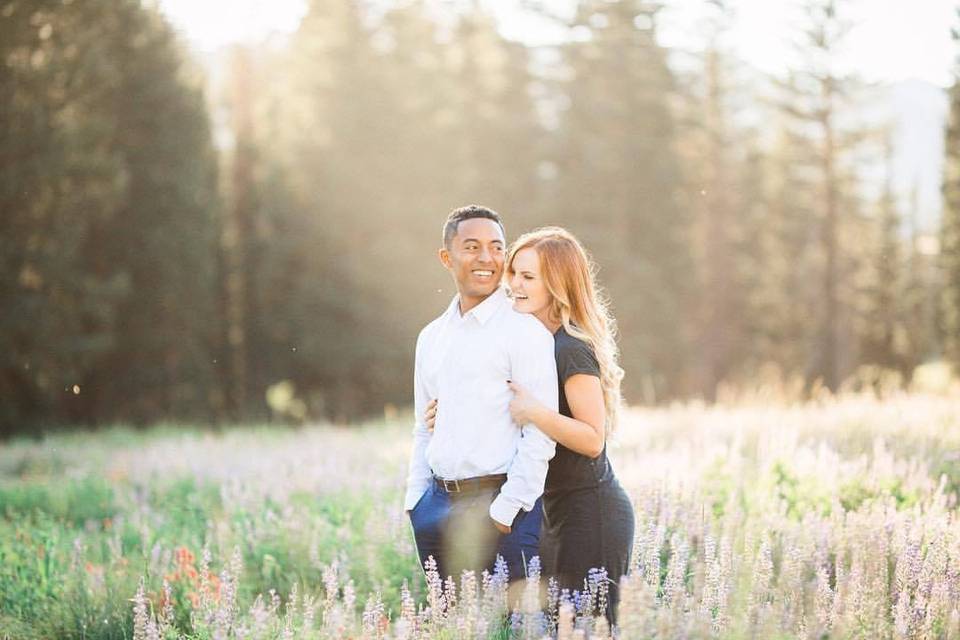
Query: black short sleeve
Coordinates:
[574,356]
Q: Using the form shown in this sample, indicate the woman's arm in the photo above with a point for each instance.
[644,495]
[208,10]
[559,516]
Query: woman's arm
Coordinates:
[584,433]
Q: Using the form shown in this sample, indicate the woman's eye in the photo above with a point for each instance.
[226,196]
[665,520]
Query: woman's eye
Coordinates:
[528,277]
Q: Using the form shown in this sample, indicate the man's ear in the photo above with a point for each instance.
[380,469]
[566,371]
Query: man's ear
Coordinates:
[444,255]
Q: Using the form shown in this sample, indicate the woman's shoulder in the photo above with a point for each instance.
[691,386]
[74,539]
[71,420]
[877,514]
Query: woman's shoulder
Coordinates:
[566,342]
[574,353]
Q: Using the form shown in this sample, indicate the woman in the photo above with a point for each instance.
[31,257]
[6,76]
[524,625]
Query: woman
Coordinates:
[588,519]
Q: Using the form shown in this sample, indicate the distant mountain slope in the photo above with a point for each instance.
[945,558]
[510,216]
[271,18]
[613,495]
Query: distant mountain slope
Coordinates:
[919,113]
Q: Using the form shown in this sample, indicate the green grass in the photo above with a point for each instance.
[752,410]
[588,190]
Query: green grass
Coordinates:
[318,512]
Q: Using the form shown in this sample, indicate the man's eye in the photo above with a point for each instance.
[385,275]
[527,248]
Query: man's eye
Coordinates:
[471,247]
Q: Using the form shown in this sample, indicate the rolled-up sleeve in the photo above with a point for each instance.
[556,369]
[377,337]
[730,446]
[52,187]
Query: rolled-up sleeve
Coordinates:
[419,473]
[534,366]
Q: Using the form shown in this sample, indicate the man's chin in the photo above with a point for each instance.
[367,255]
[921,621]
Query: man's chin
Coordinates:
[482,292]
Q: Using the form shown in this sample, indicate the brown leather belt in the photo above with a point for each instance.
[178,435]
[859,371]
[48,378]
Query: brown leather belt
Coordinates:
[470,485]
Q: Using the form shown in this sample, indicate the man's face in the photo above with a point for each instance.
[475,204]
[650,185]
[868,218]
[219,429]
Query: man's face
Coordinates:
[475,259]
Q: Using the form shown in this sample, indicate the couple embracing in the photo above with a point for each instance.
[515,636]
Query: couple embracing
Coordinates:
[514,396]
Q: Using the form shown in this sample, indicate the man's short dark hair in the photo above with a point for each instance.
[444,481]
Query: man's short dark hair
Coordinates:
[466,213]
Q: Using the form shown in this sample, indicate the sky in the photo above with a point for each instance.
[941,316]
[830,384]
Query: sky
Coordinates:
[892,40]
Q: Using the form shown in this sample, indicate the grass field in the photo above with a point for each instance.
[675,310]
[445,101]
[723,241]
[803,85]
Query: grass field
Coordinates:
[829,519]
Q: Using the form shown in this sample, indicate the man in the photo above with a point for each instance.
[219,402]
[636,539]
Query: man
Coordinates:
[473,491]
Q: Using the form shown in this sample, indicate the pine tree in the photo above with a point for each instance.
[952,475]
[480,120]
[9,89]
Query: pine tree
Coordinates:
[58,183]
[619,186]
[163,236]
[885,294]
[779,256]
[815,97]
[922,289]
[108,189]
[387,128]
[240,251]
[342,152]
[493,125]
[950,230]
[714,149]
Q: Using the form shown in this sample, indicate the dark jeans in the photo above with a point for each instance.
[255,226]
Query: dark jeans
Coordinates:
[456,529]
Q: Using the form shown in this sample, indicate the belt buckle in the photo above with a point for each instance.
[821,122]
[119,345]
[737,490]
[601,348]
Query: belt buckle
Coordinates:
[451,483]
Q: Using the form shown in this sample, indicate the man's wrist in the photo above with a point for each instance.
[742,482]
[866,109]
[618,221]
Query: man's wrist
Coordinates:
[413,496]
[504,510]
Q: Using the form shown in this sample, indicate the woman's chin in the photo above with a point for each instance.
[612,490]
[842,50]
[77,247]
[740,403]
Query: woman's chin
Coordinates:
[518,307]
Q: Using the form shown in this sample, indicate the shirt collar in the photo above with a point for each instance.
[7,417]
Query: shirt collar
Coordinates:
[483,311]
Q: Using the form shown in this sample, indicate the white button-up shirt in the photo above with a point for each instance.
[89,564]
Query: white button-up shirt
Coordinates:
[464,361]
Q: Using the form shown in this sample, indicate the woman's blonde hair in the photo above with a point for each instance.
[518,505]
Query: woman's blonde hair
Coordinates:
[577,302]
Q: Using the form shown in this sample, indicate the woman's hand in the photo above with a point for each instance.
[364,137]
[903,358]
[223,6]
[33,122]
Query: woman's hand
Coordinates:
[524,408]
[430,415]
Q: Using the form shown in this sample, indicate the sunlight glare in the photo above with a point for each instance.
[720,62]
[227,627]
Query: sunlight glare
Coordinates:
[211,24]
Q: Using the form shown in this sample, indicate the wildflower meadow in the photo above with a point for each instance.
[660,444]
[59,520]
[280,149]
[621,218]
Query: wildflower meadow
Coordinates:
[834,518]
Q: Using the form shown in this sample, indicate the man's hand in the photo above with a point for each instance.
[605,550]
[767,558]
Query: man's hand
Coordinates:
[524,407]
[502,528]
[430,415]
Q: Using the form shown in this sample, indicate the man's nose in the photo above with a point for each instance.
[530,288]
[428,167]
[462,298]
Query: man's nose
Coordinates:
[486,255]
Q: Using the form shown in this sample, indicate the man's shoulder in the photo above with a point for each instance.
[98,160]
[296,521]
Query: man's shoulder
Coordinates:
[430,327]
[526,328]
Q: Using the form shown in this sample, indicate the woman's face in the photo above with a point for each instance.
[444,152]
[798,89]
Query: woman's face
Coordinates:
[529,292]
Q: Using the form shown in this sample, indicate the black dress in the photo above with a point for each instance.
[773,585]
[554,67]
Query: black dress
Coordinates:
[587,517]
